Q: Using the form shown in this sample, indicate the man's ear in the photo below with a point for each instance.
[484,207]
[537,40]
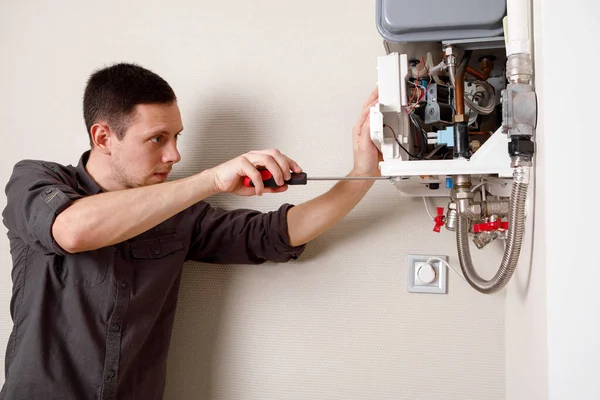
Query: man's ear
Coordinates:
[102,135]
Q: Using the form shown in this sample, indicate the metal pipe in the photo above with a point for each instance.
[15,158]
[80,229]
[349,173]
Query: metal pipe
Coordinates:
[451,63]
[460,82]
[452,73]
[495,207]
[487,65]
[477,74]
[518,35]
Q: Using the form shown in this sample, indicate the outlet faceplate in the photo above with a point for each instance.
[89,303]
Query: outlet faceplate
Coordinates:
[434,281]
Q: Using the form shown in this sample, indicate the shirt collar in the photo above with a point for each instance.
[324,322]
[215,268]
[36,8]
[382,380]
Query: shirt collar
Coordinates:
[84,179]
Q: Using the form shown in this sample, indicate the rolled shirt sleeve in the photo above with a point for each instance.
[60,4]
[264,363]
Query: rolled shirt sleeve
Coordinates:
[36,193]
[241,236]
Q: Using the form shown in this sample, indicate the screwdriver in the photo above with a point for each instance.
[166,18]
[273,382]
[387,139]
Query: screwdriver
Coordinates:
[301,179]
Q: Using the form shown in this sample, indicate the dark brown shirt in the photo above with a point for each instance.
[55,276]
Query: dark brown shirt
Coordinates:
[97,324]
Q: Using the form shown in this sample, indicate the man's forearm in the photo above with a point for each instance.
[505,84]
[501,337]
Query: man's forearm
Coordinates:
[108,218]
[308,220]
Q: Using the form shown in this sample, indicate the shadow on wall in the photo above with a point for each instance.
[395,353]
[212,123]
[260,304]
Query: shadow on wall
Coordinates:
[204,287]
[359,224]
[195,336]
[222,128]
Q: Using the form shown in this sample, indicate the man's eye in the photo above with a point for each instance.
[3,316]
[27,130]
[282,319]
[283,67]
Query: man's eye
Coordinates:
[155,139]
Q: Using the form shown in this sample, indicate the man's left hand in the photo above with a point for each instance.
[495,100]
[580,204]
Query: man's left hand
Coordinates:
[366,154]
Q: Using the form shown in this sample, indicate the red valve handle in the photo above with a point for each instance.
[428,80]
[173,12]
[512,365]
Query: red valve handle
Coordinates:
[497,225]
[439,219]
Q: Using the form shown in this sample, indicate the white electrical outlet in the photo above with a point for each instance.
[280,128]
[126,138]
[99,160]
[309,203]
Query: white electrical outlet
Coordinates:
[427,278]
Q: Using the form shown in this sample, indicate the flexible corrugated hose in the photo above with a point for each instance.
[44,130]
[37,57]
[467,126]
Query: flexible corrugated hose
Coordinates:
[516,228]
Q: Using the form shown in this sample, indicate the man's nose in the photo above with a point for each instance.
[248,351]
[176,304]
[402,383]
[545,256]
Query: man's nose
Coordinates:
[171,154]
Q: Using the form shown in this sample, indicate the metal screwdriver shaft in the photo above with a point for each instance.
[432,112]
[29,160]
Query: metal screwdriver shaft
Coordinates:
[349,178]
[302,178]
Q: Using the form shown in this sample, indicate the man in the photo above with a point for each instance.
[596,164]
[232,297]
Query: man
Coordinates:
[98,249]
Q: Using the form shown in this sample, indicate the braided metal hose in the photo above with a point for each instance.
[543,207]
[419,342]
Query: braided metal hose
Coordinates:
[516,228]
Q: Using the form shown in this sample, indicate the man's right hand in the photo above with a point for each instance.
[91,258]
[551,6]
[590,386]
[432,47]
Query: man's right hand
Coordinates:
[229,176]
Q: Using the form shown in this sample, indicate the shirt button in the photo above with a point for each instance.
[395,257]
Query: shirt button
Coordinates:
[157,251]
[124,284]
[110,374]
[116,327]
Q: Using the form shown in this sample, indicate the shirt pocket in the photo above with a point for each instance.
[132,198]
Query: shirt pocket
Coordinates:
[156,265]
[88,268]
[155,248]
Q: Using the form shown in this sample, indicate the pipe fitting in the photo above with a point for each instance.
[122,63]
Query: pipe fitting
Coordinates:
[450,56]
[463,207]
[461,194]
[519,161]
[482,239]
[475,210]
[462,182]
[519,68]
[451,217]
[495,207]
[519,109]
[461,118]
[519,100]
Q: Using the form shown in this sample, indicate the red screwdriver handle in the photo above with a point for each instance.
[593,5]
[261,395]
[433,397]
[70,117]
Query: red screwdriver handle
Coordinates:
[269,181]
[265,175]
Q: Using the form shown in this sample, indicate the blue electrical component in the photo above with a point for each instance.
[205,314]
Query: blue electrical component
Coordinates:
[446,136]
[449,183]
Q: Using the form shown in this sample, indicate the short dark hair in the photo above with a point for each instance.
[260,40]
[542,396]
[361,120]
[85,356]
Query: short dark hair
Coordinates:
[112,93]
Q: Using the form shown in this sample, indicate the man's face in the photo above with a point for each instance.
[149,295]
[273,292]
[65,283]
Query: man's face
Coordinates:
[148,151]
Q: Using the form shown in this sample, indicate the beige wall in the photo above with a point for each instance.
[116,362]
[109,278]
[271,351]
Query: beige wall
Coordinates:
[252,74]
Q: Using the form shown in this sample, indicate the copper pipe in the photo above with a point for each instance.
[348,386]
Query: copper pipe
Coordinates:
[477,74]
[486,65]
[460,82]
